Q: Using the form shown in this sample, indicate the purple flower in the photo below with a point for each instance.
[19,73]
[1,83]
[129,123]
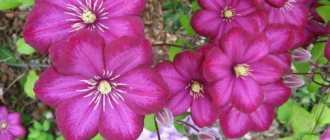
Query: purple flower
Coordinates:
[98,87]
[275,94]
[219,16]
[238,70]
[54,20]
[10,125]
[188,88]
[325,135]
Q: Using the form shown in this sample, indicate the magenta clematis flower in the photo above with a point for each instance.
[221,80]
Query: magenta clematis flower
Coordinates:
[325,135]
[238,70]
[54,20]
[285,11]
[275,94]
[188,88]
[219,16]
[10,125]
[327,50]
[98,87]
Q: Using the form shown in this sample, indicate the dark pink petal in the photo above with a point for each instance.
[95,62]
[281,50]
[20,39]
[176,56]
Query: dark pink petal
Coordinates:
[3,112]
[235,44]
[77,119]
[221,91]
[258,50]
[326,134]
[6,136]
[146,91]
[126,53]
[280,38]
[59,3]
[266,71]
[327,50]
[262,118]
[53,88]
[45,25]
[296,15]
[14,118]
[180,102]
[17,130]
[216,65]
[215,5]
[246,23]
[205,49]
[276,94]
[173,79]
[234,124]
[120,123]
[123,26]
[283,60]
[277,3]
[189,64]
[243,8]
[207,22]
[83,54]
[202,112]
[118,8]
[247,95]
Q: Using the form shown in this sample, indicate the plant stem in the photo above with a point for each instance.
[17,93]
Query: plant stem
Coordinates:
[189,125]
[165,44]
[156,125]
[322,110]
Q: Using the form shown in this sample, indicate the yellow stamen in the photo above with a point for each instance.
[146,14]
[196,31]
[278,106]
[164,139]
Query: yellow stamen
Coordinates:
[104,87]
[88,17]
[228,13]
[242,70]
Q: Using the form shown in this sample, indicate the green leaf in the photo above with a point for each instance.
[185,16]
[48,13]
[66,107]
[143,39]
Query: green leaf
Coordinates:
[46,125]
[323,11]
[285,111]
[180,128]
[98,137]
[289,138]
[31,78]
[183,116]
[310,137]
[195,6]
[302,67]
[37,125]
[27,3]
[33,134]
[172,52]
[185,22]
[149,123]
[6,55]
[9,4]
[60,138]
[318,51]
[325,118]
[302,121]
[24,48]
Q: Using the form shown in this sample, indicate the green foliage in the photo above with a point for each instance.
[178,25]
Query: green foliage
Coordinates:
[185,22]
[323,11]
[24,48]
[31,78]
[324,117]
[6,55]
[149,122]
[310,137]
[40,131]
[27,3]
[11,4]
[175,50]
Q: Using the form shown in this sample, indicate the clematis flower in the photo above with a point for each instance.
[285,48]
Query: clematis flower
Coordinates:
[54,20]
[10,125]
[219,16]
[325,135]
[327,50]
[238,70]
[275,94]
[292,12]
[97,87]
[188,88]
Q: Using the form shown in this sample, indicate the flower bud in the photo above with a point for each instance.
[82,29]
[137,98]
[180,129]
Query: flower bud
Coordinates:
[327,50]
[277,3]
[301,55]
[293,81]
[209,134]
[165,117]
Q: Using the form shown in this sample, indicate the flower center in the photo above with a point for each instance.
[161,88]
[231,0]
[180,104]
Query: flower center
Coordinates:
[228,13]
[88,17]
[196,89]
[3,125]
[104,87]
[242,70]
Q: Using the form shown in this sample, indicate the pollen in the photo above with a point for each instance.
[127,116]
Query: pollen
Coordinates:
[228,13]
[3,125]
[242,70]
[196,87]
[88,17]
[104,87]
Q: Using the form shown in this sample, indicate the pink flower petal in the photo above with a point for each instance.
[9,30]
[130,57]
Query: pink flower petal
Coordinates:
[6,136]
[118,8]
[17,130]
[234,124]
[53,88]
[216,65]
[120,123]
[123,26]
[235,44]
[45,25]
[14,118]
[247,95]
[207,22]
[188,64]
[215,5]
[276,94]
[280,38]
[126,53]
[221,91]
[296,15]
[77,119]
[180,103]
[81,54]
[3,112]
[146,91]
[283,60]
[59,3]
[258,50]
[262,118]
[266,71]
[173,79]
[202,112]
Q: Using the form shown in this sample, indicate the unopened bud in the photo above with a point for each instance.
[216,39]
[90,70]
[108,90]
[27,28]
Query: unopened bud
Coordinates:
[277,3]
[209,134]
[165,117]
[293,81]
[301,55]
